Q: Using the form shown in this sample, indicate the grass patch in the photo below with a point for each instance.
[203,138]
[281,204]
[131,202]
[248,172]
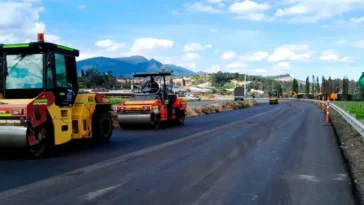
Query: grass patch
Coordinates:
[356,108]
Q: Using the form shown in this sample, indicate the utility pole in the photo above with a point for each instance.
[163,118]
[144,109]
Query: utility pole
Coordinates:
[244,85]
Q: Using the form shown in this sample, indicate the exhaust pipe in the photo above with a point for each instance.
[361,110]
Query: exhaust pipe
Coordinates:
[13,136]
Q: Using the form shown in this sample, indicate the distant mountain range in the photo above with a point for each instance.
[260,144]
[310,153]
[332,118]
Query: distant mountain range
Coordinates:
[127,65]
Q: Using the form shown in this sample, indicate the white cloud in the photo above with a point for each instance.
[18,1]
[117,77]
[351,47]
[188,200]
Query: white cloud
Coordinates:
[251,17]
[249,10]
[20,20]
[248,6]
[54,39]
[196,47]
[291,53]
[261,70]
[311,11]
[81,7]
[221,5]
[148,44]
[292,11]
[281,66]
[214,1]
[217,51]
[359,44]
[213,69]
[227,55]
[200,7]
[190,56]
[174,12]
[331,55]
[257,56]
[356,20]
[341,42]
[86,55]
[109,45]
[214,30]
[188,65]
[236,65]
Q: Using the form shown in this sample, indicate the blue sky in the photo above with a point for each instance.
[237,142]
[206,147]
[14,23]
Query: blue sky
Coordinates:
[299,37]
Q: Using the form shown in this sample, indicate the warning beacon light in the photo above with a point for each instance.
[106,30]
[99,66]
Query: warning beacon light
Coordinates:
[40,37]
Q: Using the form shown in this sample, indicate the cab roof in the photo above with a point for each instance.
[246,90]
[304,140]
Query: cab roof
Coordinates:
[39,47]
[164,73]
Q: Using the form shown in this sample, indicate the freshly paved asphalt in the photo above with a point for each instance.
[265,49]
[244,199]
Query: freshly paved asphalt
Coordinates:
[269,154]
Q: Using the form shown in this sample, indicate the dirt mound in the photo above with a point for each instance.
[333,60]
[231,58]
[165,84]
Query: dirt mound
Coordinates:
[209,109]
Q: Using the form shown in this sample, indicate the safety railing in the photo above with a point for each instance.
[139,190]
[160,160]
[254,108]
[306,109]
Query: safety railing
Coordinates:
[326,106]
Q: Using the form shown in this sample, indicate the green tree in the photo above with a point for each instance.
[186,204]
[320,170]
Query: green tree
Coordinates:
[318,90]
[307,90]
[295,85]
[323,86]
[345,89]
[279,89]
[313,86]
[330,86]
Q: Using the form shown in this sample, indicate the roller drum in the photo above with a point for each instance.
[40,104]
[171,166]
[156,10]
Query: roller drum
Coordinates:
[134,119]
[13,136]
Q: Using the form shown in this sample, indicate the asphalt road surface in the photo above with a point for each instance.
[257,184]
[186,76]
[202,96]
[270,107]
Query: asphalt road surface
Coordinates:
[269,155]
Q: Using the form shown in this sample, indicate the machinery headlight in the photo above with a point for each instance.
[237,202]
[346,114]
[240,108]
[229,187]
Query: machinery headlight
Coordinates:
[18,111]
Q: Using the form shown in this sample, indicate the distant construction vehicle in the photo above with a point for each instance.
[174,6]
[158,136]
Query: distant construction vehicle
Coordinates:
[151,104]
[40,106]
[239,93]
[273,97]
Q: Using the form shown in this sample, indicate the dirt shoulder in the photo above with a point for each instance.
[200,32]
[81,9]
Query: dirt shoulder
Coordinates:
[351,144]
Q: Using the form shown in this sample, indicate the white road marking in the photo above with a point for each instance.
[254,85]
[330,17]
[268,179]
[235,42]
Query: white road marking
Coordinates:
[101,192]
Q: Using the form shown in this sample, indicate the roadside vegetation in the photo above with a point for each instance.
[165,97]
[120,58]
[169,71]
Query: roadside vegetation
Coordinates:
[352,107]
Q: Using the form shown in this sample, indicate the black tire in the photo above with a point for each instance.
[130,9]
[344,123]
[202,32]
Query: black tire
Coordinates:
[180,118]
[102,127]
[40,148]
[155,122]
[45,137]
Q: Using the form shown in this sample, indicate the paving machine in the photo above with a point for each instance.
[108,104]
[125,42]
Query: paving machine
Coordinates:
[151,104]
[273,97]
[40,106]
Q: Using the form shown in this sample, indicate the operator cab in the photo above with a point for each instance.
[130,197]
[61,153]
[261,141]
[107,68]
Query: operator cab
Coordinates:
[273,94]
[148,93]
[28,69]
[154,84]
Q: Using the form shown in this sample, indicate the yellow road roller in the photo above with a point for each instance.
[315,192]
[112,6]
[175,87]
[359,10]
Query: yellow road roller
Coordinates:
[40,106]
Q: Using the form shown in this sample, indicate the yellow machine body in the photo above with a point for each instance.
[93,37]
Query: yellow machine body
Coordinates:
[79,117]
